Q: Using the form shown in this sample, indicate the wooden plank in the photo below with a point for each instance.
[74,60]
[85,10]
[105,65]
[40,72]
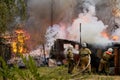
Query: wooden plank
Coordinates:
[116,57]
[116,61]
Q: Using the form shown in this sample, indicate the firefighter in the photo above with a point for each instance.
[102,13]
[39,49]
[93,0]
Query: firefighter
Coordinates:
[104,62]
[85,59]
[70,58]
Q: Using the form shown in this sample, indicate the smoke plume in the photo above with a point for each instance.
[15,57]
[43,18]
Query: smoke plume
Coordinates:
[91,27]
[63,17]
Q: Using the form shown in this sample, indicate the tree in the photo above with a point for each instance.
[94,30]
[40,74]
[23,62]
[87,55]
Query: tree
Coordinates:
[9,10]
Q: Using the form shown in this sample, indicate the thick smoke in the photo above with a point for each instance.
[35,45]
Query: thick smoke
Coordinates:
[43,13]
[94,16]
[91,27]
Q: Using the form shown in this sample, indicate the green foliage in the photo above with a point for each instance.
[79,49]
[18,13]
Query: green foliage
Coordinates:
[32,72]
[30,64]
[9,9]
[5,71]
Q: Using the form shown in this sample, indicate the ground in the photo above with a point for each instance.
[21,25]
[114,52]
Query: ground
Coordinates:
[60,73]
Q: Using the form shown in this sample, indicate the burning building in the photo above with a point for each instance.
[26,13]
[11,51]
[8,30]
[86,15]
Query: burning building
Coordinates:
[57,50]
[13,44]
[94,31]
[117,58]
[18,41]
[64,18]
[60,45]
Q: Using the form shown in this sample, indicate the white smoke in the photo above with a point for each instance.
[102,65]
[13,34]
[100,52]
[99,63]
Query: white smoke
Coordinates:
[91,27]
[89,7]
[53,33]
[117,21]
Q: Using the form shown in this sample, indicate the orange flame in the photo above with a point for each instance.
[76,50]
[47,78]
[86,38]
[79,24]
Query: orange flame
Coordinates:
[22,32]
[104,34]
[19,31]
[14,47]
[18,44]
[115,38]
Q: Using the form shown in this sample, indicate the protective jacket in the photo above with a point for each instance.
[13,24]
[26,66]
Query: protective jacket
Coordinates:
[104,62]
[84,59]
[70,55]
[84,52]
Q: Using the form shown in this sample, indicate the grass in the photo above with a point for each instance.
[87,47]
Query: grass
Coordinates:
[46,73]
[58,73]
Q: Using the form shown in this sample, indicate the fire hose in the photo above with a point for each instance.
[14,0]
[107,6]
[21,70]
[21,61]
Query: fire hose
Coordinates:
[89,58]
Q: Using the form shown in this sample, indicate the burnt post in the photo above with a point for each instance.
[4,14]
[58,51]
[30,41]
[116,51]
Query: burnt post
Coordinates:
[45,62]
[116,61]
[52,2]
[80,33]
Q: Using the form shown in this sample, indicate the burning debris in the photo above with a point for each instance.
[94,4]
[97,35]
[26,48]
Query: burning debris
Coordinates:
[93,31]
[18,42]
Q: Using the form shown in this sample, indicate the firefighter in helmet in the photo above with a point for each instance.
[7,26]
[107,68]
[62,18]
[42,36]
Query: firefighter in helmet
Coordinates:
[104,62]
[70,58]
[85,58]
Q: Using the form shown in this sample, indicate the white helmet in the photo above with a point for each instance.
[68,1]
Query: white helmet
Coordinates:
[84,45]
[110,49]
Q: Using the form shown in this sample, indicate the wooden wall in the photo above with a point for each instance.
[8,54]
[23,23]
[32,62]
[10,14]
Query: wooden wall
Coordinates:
[117,60]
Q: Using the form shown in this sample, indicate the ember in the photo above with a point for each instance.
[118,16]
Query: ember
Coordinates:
[104,34]
[115,38]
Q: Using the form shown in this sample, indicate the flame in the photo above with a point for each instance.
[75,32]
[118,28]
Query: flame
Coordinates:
[14,47]
[18,44]
[104,34]
[7,37]
[19,31]
[22,34]
[115,38]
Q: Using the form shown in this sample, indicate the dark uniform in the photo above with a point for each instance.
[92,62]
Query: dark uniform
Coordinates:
[84,59]
[70,58]
[104,62]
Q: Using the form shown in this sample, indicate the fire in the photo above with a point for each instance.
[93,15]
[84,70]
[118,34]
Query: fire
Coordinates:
[23,33]
[14,47]
[104,34]
[115,38]
[18,43]
[19,31]
[6,37]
